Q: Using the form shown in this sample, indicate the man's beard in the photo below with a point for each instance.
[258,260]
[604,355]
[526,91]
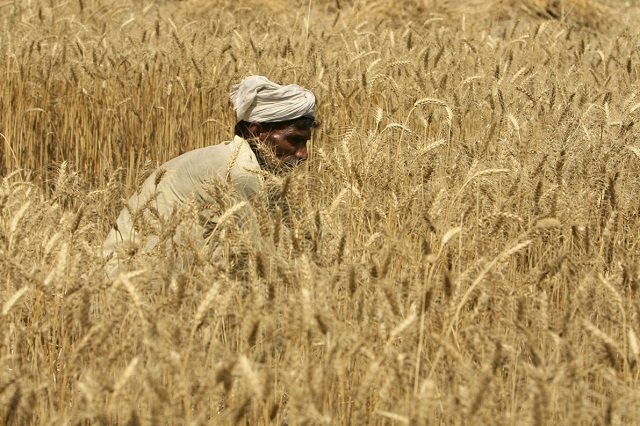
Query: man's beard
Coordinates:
[290,163]
[279,167]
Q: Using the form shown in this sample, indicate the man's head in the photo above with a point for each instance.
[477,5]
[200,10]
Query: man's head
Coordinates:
[279,118]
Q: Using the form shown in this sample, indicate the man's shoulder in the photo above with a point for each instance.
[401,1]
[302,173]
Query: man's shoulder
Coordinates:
[211,158]
[218,153]
[217,149]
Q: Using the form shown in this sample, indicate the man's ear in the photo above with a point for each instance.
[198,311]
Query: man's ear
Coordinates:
[255,129]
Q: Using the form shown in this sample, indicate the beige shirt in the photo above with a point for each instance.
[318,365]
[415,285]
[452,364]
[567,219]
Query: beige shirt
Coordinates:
[186,178]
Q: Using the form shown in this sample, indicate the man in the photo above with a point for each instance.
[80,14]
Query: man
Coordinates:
[274,123]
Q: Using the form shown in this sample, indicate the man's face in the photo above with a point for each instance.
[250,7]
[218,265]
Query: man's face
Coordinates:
[288,143]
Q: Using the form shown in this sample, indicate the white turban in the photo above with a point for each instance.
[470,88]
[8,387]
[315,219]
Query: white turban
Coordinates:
[256,99]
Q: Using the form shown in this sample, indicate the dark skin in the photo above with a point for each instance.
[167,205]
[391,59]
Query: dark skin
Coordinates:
[288,142]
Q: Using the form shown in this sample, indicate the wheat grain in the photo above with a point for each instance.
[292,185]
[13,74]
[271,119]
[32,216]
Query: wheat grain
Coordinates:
[391,281]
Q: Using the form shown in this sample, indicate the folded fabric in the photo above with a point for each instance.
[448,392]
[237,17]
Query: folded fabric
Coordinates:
[256,99]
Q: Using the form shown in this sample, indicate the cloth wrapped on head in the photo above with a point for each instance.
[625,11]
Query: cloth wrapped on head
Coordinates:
[256,99]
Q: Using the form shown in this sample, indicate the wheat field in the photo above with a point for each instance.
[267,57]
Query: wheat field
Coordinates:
[462,246]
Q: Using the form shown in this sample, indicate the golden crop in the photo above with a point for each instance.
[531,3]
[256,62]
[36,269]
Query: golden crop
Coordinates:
[462,246]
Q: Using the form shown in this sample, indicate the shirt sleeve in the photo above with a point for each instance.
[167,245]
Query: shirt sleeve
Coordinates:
[221,180]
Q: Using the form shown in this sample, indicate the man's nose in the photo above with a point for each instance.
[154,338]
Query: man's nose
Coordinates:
[301,153]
